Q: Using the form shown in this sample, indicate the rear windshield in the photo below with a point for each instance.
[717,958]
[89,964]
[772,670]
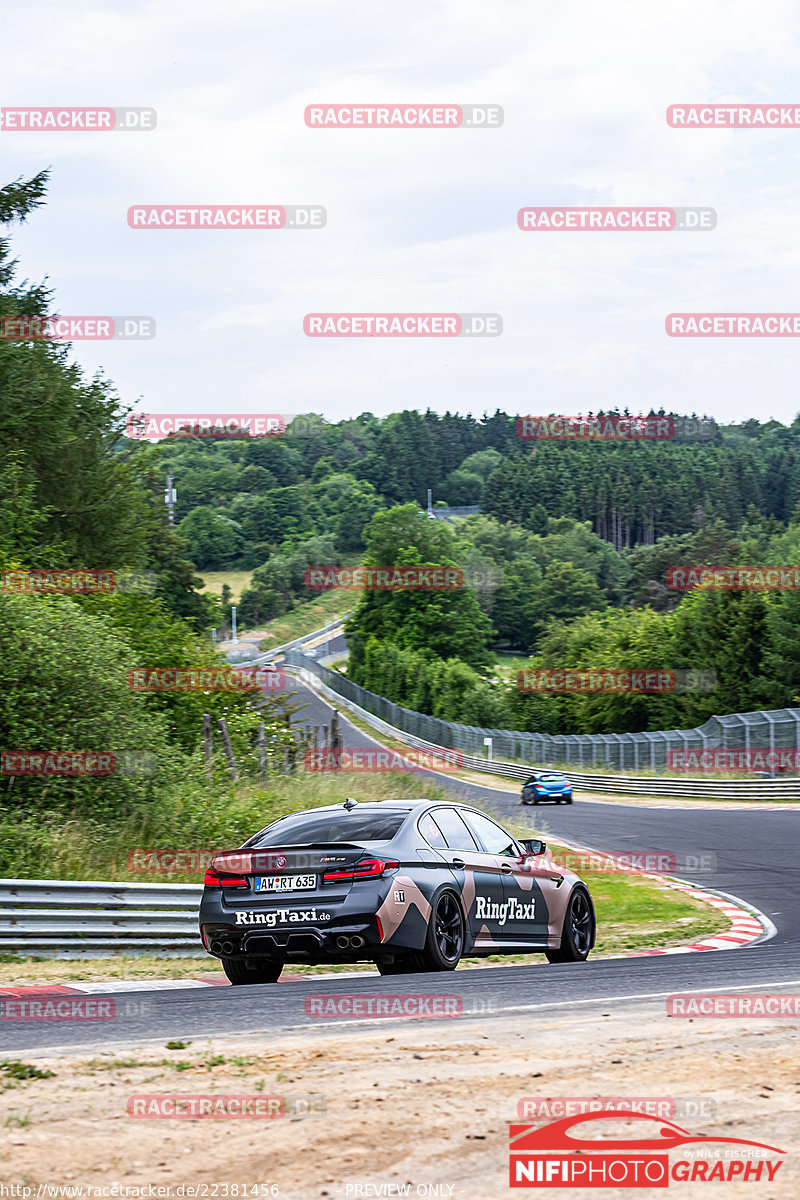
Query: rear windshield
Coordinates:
[311,828]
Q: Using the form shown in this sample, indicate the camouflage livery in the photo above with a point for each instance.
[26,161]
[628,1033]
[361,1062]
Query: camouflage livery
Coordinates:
[389,882]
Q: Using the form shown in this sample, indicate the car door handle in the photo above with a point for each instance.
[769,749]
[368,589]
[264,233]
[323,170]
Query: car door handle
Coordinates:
[456,862]
[507,869]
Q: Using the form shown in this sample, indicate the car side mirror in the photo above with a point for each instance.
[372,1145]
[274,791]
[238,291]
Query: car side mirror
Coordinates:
[535,846]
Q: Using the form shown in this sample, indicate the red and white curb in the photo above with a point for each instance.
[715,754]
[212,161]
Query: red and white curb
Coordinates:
[104,989]
[748,924]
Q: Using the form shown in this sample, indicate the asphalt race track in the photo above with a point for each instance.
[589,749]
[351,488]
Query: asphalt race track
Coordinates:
[754,856]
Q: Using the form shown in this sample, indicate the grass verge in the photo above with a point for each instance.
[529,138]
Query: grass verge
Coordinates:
[306,618]
[237,581]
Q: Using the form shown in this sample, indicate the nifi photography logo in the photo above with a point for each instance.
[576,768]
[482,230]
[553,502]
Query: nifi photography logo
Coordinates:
[658,1154]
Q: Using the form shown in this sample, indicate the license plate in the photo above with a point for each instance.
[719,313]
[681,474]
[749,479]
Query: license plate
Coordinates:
[285,883]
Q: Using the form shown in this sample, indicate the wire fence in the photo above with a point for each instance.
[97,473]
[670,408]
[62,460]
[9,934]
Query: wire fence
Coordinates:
[775,730]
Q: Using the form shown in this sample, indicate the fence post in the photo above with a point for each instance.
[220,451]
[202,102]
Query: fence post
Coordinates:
[208,748]
[226,742]
[262,751]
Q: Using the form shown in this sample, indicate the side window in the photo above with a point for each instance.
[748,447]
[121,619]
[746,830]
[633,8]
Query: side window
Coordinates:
[494,839]
[455,831]
[432,833]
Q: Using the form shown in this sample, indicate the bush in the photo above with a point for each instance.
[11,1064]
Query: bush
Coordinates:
[63,687]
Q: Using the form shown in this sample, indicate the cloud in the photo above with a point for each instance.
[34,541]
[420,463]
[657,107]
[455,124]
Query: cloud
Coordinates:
[417,220]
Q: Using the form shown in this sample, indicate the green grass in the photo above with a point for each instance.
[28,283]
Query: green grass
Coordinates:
[70,846]
[237,581]
[306,618]
[14,1068]
[509,665]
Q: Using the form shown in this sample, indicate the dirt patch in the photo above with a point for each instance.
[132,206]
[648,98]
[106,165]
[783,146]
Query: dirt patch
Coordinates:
[418,1104]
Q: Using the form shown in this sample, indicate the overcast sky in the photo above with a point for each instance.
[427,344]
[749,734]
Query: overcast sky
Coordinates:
[418,220]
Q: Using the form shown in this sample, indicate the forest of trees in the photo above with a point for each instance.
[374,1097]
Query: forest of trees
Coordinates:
[567,562]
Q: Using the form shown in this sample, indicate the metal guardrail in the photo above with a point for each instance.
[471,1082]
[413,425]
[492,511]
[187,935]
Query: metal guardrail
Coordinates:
[774,730]
[295,645]
[311,672]
[48,918]
[733,730]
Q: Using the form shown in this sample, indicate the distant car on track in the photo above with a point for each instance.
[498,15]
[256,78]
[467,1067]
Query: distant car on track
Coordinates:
[546,785]
[411,885]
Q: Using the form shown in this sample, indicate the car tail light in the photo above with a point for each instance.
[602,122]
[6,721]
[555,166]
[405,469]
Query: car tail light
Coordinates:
[214,879]
[367,868]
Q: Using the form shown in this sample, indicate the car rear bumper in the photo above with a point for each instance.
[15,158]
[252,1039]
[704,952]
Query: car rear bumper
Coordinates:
[528,797]
[342,940]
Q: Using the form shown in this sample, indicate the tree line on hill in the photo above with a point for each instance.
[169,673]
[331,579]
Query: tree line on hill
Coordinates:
[566,565]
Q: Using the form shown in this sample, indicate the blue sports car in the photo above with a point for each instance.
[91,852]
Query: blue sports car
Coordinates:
[546,785]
